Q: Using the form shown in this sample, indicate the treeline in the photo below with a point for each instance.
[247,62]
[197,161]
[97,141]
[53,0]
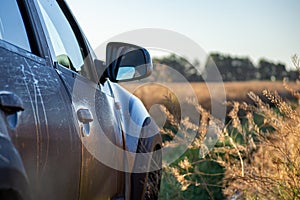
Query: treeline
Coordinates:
[230,68]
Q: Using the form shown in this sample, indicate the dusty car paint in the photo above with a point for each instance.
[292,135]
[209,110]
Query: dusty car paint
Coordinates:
[40,136]
[45,148]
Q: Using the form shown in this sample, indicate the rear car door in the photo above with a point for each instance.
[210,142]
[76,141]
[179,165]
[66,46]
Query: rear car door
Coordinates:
[93,106]
[45,136]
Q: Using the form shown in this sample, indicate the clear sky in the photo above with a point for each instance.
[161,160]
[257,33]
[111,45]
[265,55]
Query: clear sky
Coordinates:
[253,28]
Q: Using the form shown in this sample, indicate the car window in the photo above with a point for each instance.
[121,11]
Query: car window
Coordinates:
[12,28]
[66,47]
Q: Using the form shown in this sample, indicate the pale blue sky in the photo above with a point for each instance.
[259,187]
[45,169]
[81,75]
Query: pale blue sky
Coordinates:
[254,28]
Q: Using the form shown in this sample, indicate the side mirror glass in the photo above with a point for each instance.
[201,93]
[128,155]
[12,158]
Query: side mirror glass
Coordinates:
[127,62]
[126,72]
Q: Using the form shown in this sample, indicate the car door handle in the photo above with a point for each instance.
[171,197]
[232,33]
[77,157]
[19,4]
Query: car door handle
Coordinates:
[84,116]
[10,103]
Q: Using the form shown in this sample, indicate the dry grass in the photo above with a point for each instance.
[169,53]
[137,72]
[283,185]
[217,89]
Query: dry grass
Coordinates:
[263,164]
[235,91]
[259,151]
[269,167]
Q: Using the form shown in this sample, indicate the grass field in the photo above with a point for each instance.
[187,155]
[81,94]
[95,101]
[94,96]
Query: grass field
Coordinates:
[152,94]
[256,156]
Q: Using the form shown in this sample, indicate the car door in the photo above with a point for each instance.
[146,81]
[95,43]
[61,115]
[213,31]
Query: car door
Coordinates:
[44,136]
[94,111]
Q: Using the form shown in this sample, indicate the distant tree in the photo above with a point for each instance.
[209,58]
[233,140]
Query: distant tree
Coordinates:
[181,65]
[271,71]
[293,75]
[232,68]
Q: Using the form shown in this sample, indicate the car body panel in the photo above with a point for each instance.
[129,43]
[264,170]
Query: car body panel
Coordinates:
[43,132]
[133,114]
[51,154]
[86,95]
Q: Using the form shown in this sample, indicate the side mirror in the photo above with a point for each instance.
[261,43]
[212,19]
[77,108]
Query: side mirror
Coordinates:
[127,62]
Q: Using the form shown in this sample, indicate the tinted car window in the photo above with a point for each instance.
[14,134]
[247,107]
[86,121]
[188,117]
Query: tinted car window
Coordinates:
[66,47]
[12,28]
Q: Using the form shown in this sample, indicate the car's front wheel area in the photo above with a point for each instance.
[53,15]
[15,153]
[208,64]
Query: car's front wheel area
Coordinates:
[146,185]
[152,184]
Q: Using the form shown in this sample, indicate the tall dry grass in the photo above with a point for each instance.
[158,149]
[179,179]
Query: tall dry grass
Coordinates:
[258,151]
[154,93]
[269,161]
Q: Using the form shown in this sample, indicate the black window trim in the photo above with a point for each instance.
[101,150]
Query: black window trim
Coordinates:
[29,27]
[37,30]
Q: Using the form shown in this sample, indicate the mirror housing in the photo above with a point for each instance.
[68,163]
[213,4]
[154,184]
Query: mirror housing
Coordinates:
[127,62]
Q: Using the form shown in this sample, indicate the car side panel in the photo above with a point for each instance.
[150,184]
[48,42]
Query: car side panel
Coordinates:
[45,136]
[99,177]
[134,114]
